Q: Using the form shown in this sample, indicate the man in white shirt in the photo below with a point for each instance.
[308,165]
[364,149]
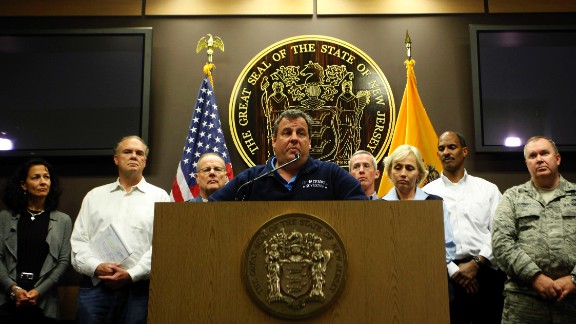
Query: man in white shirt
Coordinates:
[116,291]
[471,203]
[364,168]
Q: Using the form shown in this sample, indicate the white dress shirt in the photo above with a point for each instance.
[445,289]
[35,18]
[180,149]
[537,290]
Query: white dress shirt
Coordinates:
[132,214]
[471,203]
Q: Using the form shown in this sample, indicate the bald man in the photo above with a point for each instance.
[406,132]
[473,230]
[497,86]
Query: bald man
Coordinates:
[210,175]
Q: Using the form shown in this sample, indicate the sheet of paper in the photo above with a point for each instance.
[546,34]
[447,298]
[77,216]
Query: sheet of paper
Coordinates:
[110,247]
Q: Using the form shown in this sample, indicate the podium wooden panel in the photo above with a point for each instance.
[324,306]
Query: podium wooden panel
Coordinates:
[396,269]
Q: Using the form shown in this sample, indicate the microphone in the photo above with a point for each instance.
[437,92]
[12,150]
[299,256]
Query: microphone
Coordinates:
[296,158]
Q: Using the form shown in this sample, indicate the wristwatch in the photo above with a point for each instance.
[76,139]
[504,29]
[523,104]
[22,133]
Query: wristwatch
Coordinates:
[16,288]
[477,259]
[573,278]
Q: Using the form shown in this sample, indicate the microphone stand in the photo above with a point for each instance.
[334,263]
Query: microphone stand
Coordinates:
[265,175]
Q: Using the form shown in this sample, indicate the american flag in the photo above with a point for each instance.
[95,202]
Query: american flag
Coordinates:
[204,135]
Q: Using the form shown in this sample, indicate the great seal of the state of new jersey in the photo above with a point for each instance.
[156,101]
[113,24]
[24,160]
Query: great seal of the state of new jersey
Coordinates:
[338,85]
[294,266]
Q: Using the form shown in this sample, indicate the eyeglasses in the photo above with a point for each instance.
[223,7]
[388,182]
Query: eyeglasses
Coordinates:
[207,170]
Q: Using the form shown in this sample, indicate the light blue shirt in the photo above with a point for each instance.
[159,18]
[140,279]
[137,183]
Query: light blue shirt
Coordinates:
[287,184]
[448,235]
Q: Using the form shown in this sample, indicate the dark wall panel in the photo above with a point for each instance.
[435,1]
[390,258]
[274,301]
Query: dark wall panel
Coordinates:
[440,47]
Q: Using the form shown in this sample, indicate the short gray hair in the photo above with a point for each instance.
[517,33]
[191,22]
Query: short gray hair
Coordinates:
[535,138]
[117,147]
[211,154]
[359,152]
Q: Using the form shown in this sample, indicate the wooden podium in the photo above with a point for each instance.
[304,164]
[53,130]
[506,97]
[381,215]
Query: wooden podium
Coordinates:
[396,261]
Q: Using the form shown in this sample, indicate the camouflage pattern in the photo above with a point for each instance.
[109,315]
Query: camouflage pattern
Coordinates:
[531,236]
[523,309]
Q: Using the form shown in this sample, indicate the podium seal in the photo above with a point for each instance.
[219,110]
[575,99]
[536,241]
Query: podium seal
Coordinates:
[294,266]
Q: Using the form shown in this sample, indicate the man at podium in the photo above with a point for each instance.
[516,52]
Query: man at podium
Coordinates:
[291,174]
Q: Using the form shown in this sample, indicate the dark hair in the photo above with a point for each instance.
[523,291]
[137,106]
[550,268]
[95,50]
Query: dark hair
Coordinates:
[461,138]
[16,199]
[292,114]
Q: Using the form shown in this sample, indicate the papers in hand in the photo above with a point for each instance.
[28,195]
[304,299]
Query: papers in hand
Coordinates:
[110,247]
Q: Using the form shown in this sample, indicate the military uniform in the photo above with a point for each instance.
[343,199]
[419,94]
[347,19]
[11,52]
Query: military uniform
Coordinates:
[531,236]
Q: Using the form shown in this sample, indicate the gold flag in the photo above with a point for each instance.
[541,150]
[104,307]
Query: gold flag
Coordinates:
[413,127]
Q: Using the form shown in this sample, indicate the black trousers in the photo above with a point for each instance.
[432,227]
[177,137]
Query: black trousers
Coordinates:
[483,307]
[9,313]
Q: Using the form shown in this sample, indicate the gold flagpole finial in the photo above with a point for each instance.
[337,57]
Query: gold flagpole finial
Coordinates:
[209,43]
[408,43]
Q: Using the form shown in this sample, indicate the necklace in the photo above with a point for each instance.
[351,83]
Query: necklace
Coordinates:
[34,214]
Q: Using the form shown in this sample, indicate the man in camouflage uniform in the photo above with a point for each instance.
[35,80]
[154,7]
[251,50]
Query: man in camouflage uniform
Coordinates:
[534,241]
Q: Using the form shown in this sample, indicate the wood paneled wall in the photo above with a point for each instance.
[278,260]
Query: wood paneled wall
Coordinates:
[531,6]
[382,7]
[228,7]
[48,8]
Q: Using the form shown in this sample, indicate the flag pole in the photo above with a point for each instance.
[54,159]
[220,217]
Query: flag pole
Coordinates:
[408,43]
[204,135]
[413,126]
[209,43]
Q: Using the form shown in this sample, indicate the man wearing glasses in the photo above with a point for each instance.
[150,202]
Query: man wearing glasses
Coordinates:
[210,175]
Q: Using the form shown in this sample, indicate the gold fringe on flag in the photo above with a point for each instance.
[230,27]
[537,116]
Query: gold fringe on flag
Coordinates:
[208,71]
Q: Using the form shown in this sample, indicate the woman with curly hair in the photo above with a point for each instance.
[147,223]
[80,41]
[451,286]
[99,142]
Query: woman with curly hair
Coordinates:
[34,245]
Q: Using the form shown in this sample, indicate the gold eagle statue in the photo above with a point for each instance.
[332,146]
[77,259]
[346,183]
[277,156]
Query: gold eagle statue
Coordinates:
[210,43]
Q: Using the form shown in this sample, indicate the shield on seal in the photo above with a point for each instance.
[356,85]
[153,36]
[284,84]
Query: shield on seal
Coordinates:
[295,279]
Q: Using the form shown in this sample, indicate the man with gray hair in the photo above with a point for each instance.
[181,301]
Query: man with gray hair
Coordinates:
[534,241]
[114,290]
[210,175]
[364,168]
